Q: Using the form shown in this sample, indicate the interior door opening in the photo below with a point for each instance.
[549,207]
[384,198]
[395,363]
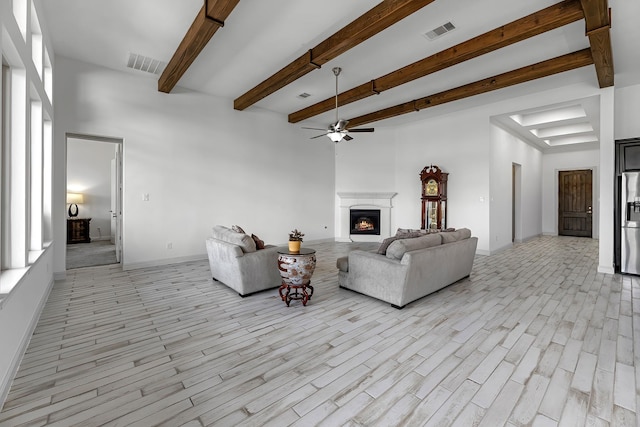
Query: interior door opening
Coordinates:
[95,178]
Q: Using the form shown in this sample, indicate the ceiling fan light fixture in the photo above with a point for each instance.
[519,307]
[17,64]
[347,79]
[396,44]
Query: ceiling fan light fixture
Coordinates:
[335,136]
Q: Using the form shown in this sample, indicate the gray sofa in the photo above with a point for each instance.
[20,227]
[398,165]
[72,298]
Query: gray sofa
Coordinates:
[411,268]
[235,262]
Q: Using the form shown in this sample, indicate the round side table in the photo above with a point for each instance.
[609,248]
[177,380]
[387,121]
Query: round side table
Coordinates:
[296,269]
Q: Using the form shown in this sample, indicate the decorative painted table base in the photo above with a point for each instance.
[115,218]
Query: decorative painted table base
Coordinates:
[296,269]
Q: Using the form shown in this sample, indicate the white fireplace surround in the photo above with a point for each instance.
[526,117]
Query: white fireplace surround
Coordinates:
[352,200]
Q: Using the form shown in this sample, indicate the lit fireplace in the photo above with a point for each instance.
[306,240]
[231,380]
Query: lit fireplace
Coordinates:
[365,221]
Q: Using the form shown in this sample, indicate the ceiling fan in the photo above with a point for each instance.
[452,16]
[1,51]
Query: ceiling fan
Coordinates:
[338,130]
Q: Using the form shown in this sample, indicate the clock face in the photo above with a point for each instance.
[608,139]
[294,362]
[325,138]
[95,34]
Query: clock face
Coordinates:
[431,188]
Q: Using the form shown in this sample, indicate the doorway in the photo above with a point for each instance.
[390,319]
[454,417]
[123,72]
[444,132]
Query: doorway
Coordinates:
[575,207]
[94,186]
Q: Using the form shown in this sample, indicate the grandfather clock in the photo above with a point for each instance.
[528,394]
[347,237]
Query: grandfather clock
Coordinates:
[434,198]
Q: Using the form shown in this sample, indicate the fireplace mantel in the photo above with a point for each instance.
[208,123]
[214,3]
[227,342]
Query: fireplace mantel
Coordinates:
[364,200]
[377,196]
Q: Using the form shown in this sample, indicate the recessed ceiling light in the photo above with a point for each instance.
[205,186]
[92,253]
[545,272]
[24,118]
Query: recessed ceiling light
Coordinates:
[568,140]
[551,115]
[304,95]
[562,130]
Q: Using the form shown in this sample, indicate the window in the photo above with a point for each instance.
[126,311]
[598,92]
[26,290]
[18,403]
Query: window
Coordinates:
[26,144]
[20,8]
[36,42]
[35,181]
[4,168]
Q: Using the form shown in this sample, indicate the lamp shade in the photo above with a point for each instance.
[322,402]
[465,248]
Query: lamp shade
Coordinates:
[75,198]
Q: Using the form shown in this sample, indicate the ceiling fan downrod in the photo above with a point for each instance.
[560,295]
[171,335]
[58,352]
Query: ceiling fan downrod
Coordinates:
[336,72]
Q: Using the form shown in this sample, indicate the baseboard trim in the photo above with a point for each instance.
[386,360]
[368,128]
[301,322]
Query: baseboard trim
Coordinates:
[606,269]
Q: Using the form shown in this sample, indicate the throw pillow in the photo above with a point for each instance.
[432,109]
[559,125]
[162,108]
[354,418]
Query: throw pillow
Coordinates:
[454,236]
[259,243]
[237,229]
[403,231]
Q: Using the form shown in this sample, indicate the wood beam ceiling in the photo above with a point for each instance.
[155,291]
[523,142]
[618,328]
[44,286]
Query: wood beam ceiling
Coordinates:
[546,68]
[211,17]
[598,22]
[547,19]
[382,16]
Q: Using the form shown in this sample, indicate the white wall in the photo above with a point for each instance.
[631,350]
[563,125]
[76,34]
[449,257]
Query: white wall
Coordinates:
[201,162]
[89,173]
[506,150]
[461,151]
[627,106]
[19,314]
[552,164]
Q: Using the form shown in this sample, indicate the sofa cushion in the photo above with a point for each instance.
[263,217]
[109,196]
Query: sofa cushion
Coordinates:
[398,248]
[454,236]
[389,240]
[245,242]
[343,263]
[237,229]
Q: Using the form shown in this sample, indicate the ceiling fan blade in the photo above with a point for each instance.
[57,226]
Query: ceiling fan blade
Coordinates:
[362,130]
[347,138]
[341,124]
[313,128]
[318,136]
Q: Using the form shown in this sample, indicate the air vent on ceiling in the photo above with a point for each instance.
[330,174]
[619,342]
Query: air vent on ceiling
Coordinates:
[304,95]
[439,31]
[146,64]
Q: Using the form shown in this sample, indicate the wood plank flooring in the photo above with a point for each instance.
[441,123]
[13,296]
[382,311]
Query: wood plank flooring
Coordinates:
[534,337]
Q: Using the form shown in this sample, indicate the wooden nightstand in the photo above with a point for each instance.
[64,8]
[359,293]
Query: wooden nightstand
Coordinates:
[78,230]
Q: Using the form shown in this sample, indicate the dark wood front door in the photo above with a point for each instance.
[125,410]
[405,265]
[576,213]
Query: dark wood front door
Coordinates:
[575,204]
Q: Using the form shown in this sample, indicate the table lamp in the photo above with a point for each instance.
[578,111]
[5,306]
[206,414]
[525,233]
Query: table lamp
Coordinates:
[74,199]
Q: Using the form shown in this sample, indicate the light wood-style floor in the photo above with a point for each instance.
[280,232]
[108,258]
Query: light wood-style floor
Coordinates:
[535,337]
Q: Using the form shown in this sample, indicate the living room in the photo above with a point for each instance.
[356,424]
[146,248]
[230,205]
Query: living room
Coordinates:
[202,163]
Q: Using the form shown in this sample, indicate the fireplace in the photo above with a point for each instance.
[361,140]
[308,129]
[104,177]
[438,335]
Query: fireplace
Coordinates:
[365,221]
[363,201]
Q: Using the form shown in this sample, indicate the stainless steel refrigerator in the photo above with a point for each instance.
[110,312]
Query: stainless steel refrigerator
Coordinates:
[630,235]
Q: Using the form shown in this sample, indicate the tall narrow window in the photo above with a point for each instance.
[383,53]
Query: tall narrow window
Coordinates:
[4,169]
[36,42]
[47,180]
[35,208]
[20,9]
[19,169]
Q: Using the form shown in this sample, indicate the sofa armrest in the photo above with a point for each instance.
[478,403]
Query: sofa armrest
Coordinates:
[376,275]
[259,270]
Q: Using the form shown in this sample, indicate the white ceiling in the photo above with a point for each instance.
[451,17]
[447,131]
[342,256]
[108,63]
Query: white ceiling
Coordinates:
[260,37]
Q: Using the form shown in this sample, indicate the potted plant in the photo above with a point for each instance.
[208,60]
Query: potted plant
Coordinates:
[295,239]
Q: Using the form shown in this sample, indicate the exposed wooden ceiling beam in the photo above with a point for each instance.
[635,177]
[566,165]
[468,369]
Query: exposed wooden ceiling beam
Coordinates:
[547,19]
[556,65]
[209,19]
[598,22]
[385,14]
